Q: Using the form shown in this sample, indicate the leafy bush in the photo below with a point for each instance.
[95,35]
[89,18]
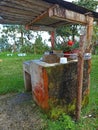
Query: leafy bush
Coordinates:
[63,123]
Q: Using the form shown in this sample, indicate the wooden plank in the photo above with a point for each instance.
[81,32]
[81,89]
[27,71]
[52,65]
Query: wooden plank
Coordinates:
[6,21]
[60,23]
[15,16]
[15,11]
[23,5]
[28,3]
[47,21]
[19,7]
[64,14]
[16,19]
[40,3]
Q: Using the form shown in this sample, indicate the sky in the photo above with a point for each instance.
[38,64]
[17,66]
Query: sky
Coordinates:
[69,0]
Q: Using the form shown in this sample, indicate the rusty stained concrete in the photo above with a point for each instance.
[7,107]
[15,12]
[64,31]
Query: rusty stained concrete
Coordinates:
[54,85]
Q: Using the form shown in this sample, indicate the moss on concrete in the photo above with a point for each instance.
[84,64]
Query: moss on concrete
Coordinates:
[62,88]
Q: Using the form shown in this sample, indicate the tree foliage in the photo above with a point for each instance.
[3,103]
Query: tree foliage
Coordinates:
[66,31]
[63,34]
[89,4]
[70,31]
[16,38]
[39,47]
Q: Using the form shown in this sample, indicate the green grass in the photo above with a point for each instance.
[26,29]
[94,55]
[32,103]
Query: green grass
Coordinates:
[11,72]
[11,80]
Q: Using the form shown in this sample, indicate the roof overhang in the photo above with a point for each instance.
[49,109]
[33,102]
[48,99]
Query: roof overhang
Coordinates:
[42,14]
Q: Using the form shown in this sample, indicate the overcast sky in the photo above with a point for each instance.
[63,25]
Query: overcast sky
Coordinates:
[69,0]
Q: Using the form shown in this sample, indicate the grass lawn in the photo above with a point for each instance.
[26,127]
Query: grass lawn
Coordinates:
[11,72]
[11,80]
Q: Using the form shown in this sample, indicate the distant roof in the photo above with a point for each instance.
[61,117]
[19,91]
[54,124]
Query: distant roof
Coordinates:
[34,12]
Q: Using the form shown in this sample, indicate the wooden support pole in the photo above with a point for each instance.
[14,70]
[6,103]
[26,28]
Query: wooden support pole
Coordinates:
[52,39]
[80,77]
[89,32]
[85,42]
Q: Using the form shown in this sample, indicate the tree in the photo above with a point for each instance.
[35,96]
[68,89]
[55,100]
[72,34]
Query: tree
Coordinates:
[22,40]
[4,46]
[39,47]
[89,4]
[63,34]
[66,31]
[15,34]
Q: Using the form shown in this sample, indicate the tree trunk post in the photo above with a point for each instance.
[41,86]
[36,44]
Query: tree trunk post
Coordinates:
[52,39]
[80,77]
[89,33]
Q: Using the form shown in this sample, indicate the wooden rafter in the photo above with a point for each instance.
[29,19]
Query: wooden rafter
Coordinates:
[42,28]
[41,16]
[38,18]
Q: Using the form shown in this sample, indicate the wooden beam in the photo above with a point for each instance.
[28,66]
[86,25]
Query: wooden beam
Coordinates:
[41,28]
[67,15]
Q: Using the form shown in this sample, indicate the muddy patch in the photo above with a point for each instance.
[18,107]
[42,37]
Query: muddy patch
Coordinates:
[19,112]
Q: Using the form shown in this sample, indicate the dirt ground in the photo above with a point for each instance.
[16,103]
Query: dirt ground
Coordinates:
[19,112]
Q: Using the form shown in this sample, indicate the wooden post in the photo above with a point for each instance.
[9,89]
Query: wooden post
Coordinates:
[85,42]
[89,32]
[80,77]
[52,39]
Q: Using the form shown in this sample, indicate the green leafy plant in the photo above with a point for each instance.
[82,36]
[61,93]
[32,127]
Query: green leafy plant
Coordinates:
[64,122]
